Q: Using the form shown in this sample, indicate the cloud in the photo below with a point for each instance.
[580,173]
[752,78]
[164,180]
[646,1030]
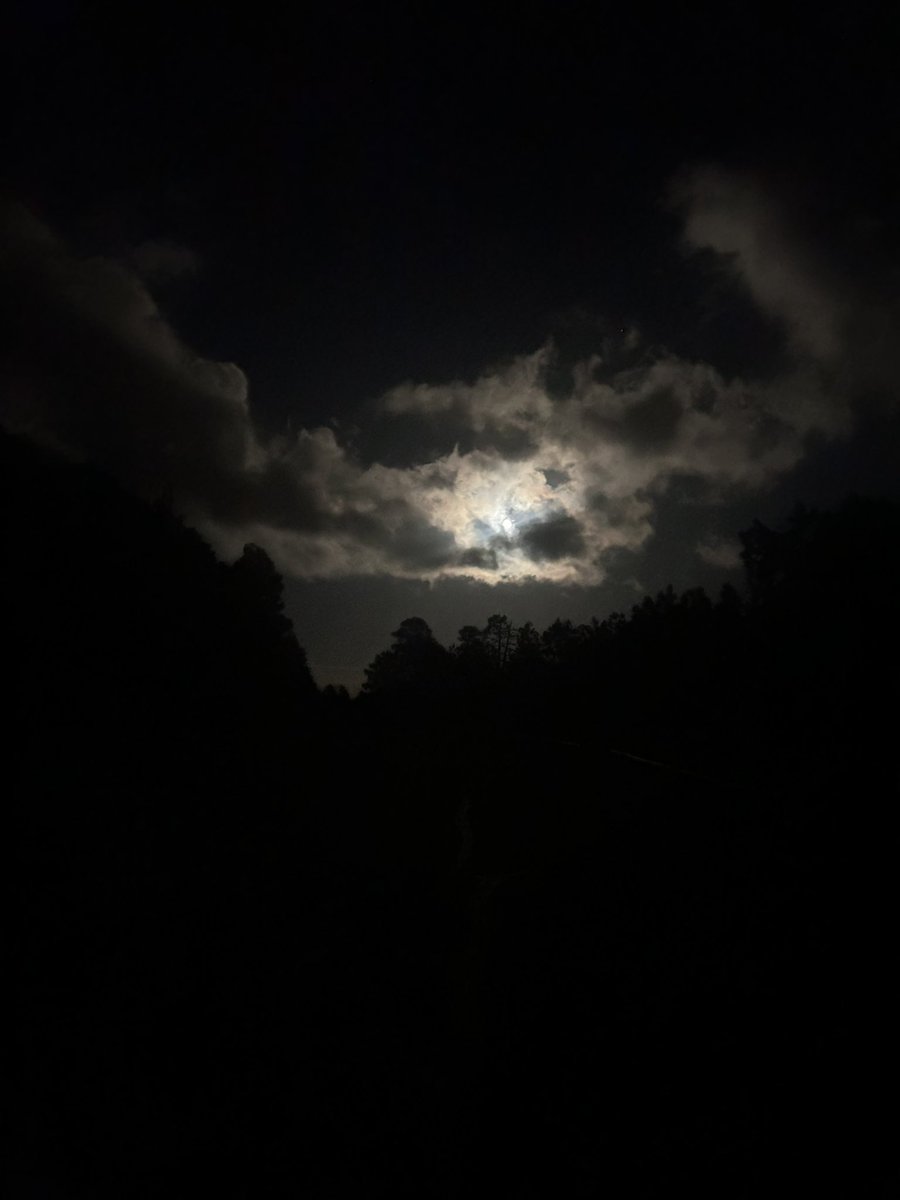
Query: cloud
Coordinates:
[719,552]
[520,474]
[834,296]
[557,536]
[90,364]
[732,214]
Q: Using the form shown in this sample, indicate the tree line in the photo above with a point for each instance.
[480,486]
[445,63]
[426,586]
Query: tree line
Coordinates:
[538,913]
[791,662]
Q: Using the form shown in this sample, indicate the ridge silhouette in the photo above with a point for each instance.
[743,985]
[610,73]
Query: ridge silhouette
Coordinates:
[599,908]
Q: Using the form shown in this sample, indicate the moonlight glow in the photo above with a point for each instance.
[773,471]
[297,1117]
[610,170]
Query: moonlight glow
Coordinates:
[502,479]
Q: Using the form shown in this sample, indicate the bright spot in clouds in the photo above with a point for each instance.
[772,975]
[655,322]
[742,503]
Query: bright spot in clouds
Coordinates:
[502,479]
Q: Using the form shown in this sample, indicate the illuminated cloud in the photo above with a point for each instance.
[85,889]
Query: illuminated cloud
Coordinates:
[731,214]
[503,478]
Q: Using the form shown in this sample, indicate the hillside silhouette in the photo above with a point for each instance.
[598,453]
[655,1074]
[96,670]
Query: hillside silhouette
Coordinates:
[595,909]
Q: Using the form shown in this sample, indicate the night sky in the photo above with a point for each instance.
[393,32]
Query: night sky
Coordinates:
[457,313]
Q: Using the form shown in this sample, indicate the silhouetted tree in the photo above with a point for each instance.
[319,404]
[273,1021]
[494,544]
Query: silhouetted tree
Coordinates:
[559,641]
[498,637]
[610,885]
[527,644]
[415,662]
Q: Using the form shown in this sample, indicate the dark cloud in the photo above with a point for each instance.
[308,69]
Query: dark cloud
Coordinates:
[555,478]
[418,545]
[481,557]
[560,536]
[618,512]
[505,478]
[720,552]
[513,443]
[652,423]
[733,215]
[91,364]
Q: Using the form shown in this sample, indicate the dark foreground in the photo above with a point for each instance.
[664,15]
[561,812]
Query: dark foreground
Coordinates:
[438,942]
